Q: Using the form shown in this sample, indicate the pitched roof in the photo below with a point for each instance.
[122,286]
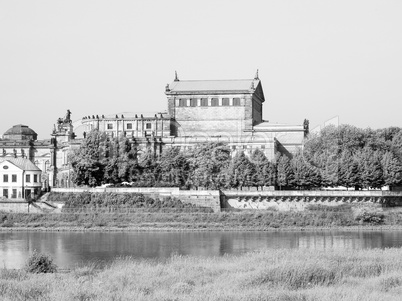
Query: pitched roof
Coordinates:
[240,85]
[22,163]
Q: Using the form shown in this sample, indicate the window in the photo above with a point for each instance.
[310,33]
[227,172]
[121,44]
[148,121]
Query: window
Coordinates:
[110,126]
[193,102]
[14,195]
[35,178]
[13,178]
[182,102]
[5,193]
[129,126]
[204,102]
[148,126]
[214,102]
[28,178]
[236,101]
[225,101]
[5,178]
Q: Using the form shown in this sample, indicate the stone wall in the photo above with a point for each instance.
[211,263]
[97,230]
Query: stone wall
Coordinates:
[17,206]
[200,198]
[298,200]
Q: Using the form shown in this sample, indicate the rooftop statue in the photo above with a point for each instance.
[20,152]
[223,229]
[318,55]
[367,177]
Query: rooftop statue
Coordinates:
[66,121]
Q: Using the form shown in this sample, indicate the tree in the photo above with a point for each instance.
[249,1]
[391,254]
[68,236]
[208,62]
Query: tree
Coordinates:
[173,167]
[264,173]
[305,175]
[392,169]
[86,160]
[208,164]
[349,171]
[147,164]
[240,171]
[285,174]
[371,168]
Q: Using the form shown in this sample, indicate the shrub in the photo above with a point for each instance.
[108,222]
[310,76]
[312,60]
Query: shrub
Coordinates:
[369,215]
[40,263]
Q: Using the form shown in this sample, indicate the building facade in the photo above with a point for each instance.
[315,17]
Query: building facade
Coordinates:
[19,178]
[198,111]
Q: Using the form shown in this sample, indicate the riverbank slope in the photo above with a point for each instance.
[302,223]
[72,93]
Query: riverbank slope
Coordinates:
[315,217]
[290,275]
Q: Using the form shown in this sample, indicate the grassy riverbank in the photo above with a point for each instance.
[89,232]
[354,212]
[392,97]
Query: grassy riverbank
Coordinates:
[270,275]
[316,217]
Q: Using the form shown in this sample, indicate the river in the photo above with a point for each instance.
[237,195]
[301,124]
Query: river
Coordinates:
[69,249]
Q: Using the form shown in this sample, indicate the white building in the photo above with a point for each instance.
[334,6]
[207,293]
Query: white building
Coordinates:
[19,178]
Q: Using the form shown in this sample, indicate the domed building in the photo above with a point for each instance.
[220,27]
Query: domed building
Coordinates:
[20,132]
[20,142]
[50,155]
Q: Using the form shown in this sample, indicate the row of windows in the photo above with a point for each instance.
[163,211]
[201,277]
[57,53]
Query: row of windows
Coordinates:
[13,194]
[204,102]
[28,193]
[129,126]
[14,178]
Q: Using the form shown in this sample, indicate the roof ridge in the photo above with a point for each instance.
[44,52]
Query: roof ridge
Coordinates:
[214,80]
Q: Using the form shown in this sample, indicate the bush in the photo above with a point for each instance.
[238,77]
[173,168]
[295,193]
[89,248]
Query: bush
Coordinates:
[369,215]
[40,263]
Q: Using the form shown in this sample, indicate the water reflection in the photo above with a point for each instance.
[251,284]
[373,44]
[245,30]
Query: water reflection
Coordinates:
[72,248]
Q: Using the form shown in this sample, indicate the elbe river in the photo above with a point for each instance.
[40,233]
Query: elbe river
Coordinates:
[71,249]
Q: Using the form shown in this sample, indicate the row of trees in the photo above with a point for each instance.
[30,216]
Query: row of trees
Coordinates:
[337,156]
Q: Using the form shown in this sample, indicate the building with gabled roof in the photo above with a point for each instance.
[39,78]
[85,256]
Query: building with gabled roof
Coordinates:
[19,178]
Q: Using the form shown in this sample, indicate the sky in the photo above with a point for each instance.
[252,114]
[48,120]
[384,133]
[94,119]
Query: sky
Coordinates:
[318,60]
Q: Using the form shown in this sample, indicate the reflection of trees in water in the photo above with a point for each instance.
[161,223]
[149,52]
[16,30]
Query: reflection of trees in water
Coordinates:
[225,244]
[70,249]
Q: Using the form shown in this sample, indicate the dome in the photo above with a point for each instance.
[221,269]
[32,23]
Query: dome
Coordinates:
[20,132]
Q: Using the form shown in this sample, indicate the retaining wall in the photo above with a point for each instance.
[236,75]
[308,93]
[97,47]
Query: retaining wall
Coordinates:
[298,200]
[200,198]
[17,206]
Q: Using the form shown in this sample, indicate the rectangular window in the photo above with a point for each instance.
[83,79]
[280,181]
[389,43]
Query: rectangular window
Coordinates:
[129,126]
[182,102]
[236,101]
[5,193]
[27,178]
[14,178]
[35,178]
[148,126]
[204,102]
[225,101]
[14,195]
[214,102]
[5,178]
[193,102]
[110,126]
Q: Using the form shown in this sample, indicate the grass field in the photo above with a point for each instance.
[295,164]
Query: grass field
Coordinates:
[316,217]
[270,275]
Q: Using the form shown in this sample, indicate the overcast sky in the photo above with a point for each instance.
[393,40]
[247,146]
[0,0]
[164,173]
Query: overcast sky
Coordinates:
[317,59]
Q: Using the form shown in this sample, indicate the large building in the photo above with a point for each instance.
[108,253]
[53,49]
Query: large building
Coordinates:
[50,156]
[227,111]
[198,111]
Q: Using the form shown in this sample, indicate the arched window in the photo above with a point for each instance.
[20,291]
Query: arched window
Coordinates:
[47,165]
[236,101]
[225,101]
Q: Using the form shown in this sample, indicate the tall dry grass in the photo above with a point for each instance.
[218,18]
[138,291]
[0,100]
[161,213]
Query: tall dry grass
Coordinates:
[267,275]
